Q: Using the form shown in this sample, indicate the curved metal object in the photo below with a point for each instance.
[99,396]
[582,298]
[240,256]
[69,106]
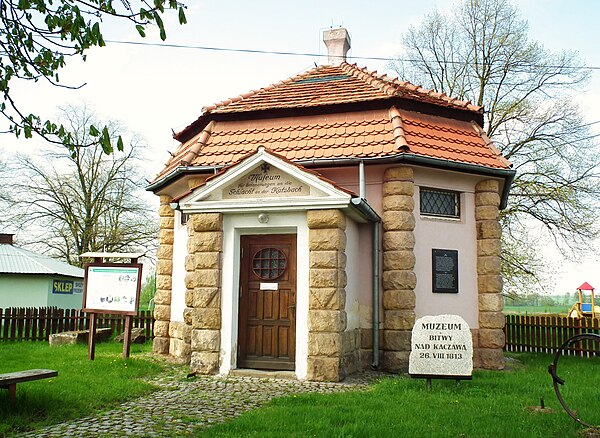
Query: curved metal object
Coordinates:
[558,381]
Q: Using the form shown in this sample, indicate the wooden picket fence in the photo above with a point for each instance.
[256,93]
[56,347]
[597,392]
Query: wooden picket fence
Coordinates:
[545,334]
[37,324]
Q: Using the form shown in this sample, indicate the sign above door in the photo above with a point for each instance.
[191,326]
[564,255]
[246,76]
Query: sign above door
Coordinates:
[267,182]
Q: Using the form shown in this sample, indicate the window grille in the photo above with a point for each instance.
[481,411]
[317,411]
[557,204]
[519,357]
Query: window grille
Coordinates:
[440,203]
[269,263]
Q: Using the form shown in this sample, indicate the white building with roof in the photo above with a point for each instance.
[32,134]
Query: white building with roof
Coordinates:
[306,226]
[28,279]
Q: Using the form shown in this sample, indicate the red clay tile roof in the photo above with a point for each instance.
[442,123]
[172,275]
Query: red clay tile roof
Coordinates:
[377,133]
[367,134]
[329,85]
[448,139]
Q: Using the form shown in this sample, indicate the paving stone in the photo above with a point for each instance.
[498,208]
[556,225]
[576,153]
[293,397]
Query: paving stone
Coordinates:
[202,401]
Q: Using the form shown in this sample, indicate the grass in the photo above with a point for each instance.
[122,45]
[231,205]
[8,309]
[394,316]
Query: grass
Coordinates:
[538,310]
[82,387]
[493,404]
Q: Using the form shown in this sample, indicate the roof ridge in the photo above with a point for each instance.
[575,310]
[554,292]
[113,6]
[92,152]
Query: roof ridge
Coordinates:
[398,127]
[368,76]
[198,144]
[391,86]
[488,142]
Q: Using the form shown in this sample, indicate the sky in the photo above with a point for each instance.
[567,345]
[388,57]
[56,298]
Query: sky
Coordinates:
[157,90]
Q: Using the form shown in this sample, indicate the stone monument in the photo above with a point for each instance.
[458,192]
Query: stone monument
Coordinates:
[442,348]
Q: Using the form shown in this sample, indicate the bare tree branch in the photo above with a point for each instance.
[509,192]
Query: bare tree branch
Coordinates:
[83,200]
[481,52]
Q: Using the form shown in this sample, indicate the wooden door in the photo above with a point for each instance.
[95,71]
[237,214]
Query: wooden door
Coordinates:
[267,310]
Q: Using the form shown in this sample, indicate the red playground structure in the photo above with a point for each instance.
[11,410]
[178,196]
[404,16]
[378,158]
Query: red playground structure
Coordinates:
[587,308]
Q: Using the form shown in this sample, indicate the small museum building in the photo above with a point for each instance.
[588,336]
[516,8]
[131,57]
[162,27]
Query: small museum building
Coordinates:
[305,226]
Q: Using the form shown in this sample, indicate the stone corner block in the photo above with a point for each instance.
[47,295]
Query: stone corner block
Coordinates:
[326,239]
[491,359]
[491,338]
[206,318]
[395,361]
[206,340]
[333,321]
[324,369]
[399,319]
[207,222]
[326,219]
[160,345]
[488,185]
[324,344]
[398,173]
[202,362]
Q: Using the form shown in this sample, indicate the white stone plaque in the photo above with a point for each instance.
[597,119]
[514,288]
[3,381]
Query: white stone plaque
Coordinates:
[266,181]
[442,346]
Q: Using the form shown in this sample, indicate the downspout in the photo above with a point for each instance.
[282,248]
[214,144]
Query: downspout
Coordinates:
[362,195]
[361,179]
[375,295]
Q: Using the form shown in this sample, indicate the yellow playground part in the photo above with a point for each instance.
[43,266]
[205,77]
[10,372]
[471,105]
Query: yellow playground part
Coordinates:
[583,309]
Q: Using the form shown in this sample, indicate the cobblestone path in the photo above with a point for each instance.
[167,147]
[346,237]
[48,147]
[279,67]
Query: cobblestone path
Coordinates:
[184,405]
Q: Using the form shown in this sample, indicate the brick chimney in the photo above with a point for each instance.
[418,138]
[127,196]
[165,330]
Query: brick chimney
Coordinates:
[338,44]
[6,239]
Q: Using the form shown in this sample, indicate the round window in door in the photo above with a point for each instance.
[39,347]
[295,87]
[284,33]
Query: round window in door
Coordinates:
[269,263]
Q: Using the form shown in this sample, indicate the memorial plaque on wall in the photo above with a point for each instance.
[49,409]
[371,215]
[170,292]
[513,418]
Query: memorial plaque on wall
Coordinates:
[445,270]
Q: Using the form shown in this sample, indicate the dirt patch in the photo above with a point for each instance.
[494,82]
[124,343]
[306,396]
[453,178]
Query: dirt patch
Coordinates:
[540,410]
[592,432]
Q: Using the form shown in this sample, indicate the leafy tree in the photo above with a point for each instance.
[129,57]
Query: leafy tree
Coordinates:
[148,291]
[79,199]
[481,52]
[38,36]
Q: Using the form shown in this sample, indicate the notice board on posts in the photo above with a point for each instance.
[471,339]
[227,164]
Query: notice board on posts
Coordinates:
[112,288]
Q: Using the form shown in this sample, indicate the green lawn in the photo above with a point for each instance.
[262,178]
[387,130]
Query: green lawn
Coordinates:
[537,310]
[493,404]
[81,388]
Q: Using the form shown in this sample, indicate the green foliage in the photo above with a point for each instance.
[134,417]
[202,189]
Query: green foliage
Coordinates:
[493,404]
[82,387]
[532,303]
[38,36]
[148,292]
